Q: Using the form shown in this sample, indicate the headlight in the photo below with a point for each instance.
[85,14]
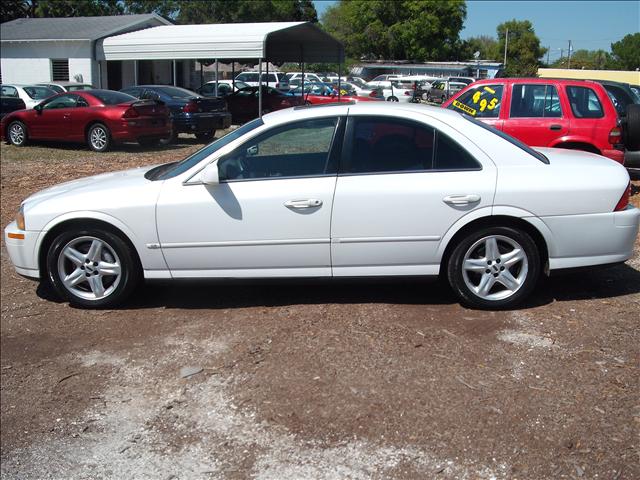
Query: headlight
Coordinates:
[20,218]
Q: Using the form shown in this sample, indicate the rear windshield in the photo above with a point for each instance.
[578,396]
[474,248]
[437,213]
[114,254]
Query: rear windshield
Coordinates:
[108,97]
[170,170]
[38,93]
[177,92]
[508,138]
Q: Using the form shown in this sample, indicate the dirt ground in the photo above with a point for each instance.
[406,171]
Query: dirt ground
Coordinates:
[342,380]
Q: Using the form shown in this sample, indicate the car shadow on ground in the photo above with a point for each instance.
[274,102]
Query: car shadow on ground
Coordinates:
[602,283]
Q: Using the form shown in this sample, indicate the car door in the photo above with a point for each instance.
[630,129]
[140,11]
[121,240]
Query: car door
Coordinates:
[53,121]
[402,184]
[270,214]
[535,114]
[484,102]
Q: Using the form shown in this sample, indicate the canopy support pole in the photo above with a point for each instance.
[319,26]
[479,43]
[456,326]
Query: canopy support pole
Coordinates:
[135,72]
[233,76]
[175,80]
[216,77]
[267,73]
[260,88]
[302,68]
[201,74]
[339,79]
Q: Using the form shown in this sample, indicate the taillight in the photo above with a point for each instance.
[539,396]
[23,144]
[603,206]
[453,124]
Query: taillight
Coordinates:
[190,107]
[407,93]
[615,136]
[624,200]
[374,93]
[130,113]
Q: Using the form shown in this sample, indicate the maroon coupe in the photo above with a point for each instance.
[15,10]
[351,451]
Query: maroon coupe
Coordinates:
[98,117]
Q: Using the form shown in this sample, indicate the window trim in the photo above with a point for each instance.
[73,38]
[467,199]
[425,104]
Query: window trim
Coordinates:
[335,149]
[347,149]
[523,84]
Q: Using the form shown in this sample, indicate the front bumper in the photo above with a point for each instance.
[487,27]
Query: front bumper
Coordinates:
[604,238]
[201,122]
[22,252]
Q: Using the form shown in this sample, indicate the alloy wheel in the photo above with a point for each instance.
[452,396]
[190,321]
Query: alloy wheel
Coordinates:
[495,267]
[16,134]
[89,268]
[98,138]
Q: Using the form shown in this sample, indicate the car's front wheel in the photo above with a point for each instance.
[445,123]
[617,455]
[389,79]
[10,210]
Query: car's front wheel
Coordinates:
[17,134]
[205,136]
[495,267]
[99,138]
[92,268]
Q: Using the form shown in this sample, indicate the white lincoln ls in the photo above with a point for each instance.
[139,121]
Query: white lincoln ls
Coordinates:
[361,190]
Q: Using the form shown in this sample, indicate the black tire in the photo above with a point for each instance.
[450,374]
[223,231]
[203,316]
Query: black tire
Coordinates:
[205,136]
[17,134]
[392,99]
[149,142]
[116,288]
[99,138]
[632,134]
[470,298]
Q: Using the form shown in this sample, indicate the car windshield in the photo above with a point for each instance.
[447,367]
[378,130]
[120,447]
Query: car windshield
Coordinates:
[170,170]
[55,88]
[513,141]
[109,97]
[176,92]
[38,93]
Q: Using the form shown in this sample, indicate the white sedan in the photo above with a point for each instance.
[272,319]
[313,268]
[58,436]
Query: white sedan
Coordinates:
[31,95]
[345,190]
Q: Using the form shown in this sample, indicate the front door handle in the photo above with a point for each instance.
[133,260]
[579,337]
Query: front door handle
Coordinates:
[555,127]
[461,200]
[309,203]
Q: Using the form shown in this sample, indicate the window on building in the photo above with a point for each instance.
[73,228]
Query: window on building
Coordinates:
[60,70]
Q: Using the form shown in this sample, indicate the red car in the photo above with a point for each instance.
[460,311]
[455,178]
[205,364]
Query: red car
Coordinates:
[243,104]
[545,112]
[319,93]
[98,117]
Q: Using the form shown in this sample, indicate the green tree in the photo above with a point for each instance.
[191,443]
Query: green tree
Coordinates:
[397,30]
[523,49]
[486,45]
[166,8]
[626,52]
[12,9]
[76,8]
[586,59]
[223,11]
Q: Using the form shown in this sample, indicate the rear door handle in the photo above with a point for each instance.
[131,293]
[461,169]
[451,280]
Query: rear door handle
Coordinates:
[309,203]
[461,200]
[555,127]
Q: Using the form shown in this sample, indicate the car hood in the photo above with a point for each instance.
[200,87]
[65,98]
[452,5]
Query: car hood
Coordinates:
[97,185]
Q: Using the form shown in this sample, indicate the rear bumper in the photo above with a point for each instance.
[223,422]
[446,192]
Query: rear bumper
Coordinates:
[201,122]
[604,238]
[22,252]
[131,131]
[617,155]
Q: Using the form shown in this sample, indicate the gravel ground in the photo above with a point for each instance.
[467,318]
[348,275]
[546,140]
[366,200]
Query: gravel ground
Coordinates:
[358,380]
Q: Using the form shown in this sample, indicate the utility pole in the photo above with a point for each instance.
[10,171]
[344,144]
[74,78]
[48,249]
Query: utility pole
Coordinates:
[506,42]
[548,52]
[569,54]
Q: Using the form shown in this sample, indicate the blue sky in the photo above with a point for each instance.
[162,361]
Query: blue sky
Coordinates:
[589,25]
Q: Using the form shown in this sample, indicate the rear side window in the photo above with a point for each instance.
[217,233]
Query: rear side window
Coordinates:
[248,77]
[389,145]
[584,102]
[38,93]
[9,91]
[482,101]
[108,97]
[535,100]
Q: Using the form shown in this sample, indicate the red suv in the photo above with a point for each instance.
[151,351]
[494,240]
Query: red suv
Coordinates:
[546,112]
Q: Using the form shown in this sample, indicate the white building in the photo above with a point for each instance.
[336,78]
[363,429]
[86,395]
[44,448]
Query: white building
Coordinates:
[70,49]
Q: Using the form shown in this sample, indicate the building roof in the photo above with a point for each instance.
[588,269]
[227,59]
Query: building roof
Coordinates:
[275,41]
[75,28]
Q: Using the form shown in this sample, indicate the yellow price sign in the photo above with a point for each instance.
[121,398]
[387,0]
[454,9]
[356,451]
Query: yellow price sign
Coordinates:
[484,103]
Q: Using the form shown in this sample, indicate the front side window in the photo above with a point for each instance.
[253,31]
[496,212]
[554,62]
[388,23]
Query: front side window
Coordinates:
[63,101]
[535,100]
[482,101]
[391,145]
[584,102]
[295,150]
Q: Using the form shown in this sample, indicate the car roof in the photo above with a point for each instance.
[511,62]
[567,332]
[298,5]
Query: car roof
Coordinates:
[533,80]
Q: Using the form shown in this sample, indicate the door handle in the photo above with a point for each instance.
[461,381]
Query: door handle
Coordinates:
[555,127]
[461,200]
[309,203]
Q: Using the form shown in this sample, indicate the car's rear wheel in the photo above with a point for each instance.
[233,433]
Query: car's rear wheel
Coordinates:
[92,268]
[172,138]
[205,136]
[392,99]
[495,267]
[17,134]
[99,138]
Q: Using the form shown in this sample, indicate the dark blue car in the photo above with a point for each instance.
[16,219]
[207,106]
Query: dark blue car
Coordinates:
[190,113]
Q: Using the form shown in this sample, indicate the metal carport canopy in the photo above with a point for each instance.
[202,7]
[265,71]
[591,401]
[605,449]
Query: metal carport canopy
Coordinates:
[273,41]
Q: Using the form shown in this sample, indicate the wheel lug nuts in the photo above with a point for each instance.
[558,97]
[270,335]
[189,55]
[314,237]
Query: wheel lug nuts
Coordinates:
[87,261]
[487,271]
[81,267]
[501,268]
[88,274]
[498,260]
[495,274]
[489,262]
[95,264]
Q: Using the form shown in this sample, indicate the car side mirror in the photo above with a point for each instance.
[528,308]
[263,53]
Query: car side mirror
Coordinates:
[252,151]
[38,108]
[210,174]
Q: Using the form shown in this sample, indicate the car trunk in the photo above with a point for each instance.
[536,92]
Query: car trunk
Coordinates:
[149,108]
[209,104]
